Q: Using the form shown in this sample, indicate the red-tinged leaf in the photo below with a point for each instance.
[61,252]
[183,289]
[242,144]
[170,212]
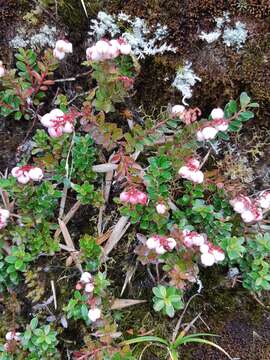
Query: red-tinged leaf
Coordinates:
[48,82]
[44,88]
[36,76]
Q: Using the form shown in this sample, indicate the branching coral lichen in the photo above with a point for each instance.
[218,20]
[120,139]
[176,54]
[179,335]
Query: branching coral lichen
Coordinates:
[184,81]
[143,40]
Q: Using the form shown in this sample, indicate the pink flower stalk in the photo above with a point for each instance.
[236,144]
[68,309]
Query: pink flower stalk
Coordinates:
[94,314]
[4,215]
[178,110]
[248,209]
[2,69]
[134,196]
[26,173]
[190,171]
[161,209]
[264,200]
[58,122]
[161,244]
[62,47]
[107,50]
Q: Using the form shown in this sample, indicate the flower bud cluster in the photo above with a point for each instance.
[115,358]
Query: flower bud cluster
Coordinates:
[134,196]
[26,173]
[107,50]
[190,171]
[58,123]
[209,130]
[210,254]
[161,244]
[251,210]
[86,283]
[62,47]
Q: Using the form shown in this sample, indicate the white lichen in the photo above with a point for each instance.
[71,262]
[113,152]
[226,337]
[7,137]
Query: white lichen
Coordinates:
[232,36]
[235,37]
[144,41]
[184,81]
[210,37]
[45,37]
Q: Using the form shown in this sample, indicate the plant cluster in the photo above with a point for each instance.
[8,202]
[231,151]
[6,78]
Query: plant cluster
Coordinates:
[180,212]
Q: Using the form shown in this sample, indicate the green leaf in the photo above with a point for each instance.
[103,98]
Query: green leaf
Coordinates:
[158,305]
[34,323]
[246,115]
[244,99]
[170,310]
[232,106]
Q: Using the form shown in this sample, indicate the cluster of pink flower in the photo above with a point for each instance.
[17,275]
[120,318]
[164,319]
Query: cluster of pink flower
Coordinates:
[134,196]
[209,130]
[190,171]
[161,244]
[86,283]
[25,173]
[210,254]
[58,122]
[12,338]
[62,47]
[2,69]
[106,50]
[4,215]
[251,210]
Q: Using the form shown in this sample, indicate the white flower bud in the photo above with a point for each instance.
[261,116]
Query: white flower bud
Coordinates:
[102,47]
[217,113]
[171,243]
[152,243]
[125,49]
[198,240]
[178,109]
[247,216]
[46,120]
[86,277]
[56,113]
[161,209]
[219,255]
[2,69]
[23,178]
[89,287]
[36,174]
[209,132]
[204,248]
[4,214]
[160,250]
[94,314]
[207,259]
[68,128]
[58,54]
